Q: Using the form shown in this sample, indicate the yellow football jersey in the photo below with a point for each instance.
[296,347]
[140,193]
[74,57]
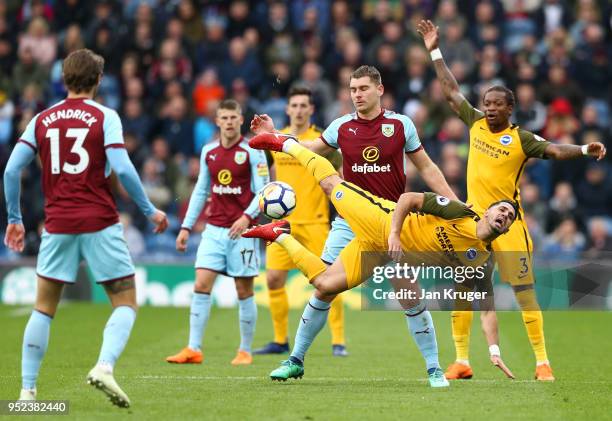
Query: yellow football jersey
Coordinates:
[443,226]
[496,160]
[312,203]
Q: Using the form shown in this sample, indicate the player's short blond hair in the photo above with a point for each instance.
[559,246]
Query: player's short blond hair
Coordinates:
[82,70]
[230,104]
[370,71]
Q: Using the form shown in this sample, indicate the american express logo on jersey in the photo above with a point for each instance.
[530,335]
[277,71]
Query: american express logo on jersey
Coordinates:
[217,189]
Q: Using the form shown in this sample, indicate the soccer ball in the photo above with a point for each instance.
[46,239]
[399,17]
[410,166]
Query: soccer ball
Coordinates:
[277,200]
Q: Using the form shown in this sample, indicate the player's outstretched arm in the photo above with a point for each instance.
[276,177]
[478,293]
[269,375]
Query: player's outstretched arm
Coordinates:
[408,202]
[431,174]
[20,158]
[123,167]
[562,152]
[490,329]
[450,87]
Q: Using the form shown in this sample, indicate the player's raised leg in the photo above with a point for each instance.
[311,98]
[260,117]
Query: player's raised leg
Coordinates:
[122,294]
[36,335]
[328,281]
[198,318]
[312,321]
[320,168]
[247,315]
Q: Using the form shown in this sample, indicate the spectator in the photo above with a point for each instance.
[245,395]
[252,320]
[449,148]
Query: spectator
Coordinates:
[529,113]
[283,49]
[167,165]
[133,237]
[562,205]
[207,89]
[456,47]
[40,42]
[192,23]
[153,183]
[239,18]
[276,22]
[135,120]
[561,120]
[322,92]
[177,127]
[558,85]
[595,191]
[70,12]
[204,127]
[240,92]
[553,14]
[532,203]
[7,111]
[213,51]
[136,148]
[599,243]
[565,243]
[242,64]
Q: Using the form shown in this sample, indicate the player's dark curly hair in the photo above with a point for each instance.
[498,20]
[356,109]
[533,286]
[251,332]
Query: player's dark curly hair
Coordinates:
[510,202]
[507,92]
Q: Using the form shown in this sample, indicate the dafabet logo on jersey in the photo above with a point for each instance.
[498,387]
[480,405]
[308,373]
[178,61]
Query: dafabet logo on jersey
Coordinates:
[370,154]
[225,177]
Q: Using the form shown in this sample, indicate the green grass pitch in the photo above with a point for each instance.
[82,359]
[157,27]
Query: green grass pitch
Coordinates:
[383,378]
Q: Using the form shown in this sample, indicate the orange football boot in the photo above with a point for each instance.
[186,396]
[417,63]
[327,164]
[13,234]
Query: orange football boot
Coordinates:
[457,371]
[242,358]
[186,356]
[544,373]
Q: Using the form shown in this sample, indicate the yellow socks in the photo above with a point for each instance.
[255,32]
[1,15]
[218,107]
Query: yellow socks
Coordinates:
[307,262]
[279,309]
[317,165]
[461,326]
[534,322]
[336,320]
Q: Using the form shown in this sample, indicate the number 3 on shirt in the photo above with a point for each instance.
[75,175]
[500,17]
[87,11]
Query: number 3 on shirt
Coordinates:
[77,148]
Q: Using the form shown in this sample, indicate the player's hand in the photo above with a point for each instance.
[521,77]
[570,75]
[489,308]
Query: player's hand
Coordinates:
[160,220]
[14,238]
[430,34]
[181,240]
[239,226]
[395,247]
[597,150]
[499,363]
[262,124]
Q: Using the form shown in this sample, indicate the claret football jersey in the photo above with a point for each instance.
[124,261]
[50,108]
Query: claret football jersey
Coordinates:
[71,138]
[373,150]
